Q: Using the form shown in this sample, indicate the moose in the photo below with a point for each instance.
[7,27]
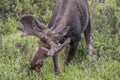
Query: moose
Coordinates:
[69,19]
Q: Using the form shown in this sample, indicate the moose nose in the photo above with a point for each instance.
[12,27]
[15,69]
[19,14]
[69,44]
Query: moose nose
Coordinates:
[32,68]
[36,67]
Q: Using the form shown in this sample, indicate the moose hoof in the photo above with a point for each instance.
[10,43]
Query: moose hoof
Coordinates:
[56,71]
[67,63]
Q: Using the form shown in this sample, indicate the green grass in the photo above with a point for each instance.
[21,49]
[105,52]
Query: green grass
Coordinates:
[14,64]
[16,53]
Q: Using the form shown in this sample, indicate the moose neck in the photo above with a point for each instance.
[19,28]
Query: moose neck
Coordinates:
[62,19]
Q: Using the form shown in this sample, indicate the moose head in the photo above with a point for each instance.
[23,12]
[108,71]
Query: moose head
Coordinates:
[48,40]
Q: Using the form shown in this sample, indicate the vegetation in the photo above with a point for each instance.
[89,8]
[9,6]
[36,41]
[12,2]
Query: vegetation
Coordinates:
[16,52]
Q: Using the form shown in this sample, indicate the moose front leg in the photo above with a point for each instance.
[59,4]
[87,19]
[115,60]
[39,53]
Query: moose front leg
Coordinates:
[56,65]
[67,49]
[55,57]
[70,52]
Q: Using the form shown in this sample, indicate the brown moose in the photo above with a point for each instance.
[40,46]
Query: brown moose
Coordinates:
[70,18]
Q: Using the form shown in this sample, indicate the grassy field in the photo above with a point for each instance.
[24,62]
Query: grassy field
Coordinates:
[17,52]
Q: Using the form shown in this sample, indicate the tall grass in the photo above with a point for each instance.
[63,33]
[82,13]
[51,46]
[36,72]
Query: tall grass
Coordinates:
[17,52]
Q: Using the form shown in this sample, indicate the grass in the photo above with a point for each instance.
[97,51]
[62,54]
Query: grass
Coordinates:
[17,52]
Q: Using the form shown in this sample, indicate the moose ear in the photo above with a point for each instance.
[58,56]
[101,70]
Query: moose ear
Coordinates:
[29,22]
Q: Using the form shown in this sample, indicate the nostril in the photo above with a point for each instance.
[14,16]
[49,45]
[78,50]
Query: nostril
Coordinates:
[32,68]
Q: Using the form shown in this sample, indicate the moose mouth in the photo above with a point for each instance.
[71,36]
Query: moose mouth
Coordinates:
[36,67]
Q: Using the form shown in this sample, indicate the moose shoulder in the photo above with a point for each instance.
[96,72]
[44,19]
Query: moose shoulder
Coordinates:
[70,18]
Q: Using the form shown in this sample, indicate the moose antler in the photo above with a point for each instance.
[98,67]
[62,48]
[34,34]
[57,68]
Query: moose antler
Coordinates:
[58,48]
[29,28]
[30,22]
